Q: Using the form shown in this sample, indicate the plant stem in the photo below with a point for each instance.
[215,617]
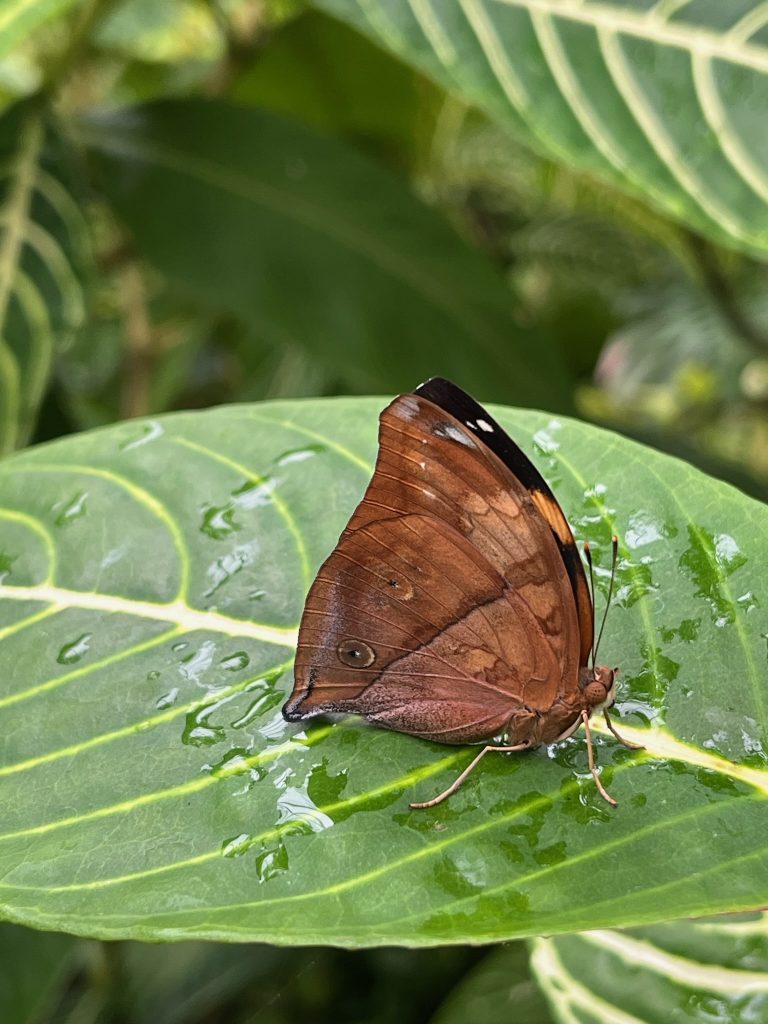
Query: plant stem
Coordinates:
[242,44]
[721,290]
[135,393]
[66,61]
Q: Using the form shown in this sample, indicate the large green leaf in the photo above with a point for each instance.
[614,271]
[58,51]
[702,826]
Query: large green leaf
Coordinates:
[153,576]
[185,983]
[33,968]
[499,990]
[687,972]
[43,259]
[325,74]
[664,99]
[319,248]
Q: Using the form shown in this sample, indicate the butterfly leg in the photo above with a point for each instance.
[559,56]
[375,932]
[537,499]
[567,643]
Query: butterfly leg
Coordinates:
[591,755]
[455,785]
[624,743]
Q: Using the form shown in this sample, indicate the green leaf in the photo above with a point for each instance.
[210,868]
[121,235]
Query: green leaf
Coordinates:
[43,259]
[499,990]
[663,100]
[328,76]
[317,247]
[687,972]
[33,967]
[185,30]
[19,18]
[153,578]
[186,982]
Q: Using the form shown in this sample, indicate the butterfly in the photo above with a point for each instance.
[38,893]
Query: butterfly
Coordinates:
[455,606]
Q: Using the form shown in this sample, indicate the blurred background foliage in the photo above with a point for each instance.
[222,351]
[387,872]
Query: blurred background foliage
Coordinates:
[352,228]
[607,309]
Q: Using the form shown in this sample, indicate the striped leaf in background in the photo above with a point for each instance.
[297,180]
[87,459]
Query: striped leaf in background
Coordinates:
[153,574]
[44,256]
[689,972]
[665,99]
[683,972]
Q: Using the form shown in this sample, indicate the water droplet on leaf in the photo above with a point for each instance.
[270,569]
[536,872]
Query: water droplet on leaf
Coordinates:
[74,509]
[167,700]
[299,454]
[197,730]
[235,662]
[236,846]
[73,652]
[271,861]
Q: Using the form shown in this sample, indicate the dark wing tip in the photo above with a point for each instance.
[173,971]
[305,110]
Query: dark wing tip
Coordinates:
[292,709]
[291,712]
[439,390]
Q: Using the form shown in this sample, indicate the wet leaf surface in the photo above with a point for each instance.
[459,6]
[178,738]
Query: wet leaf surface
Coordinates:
[153,576]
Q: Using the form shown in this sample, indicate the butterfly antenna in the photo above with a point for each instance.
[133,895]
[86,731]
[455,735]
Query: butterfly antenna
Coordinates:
[614,560]
[588,556]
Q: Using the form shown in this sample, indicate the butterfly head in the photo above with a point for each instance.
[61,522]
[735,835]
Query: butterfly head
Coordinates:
[598,684]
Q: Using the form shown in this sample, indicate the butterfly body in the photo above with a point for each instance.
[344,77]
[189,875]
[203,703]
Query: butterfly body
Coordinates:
[454,606]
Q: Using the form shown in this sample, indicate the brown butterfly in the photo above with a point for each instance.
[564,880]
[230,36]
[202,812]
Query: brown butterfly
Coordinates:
[455,605]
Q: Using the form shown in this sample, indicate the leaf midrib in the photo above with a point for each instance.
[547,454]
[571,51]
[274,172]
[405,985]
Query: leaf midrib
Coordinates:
[189,619]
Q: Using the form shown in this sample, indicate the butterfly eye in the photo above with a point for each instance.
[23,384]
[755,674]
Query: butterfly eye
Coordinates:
[355,653]
[594,693]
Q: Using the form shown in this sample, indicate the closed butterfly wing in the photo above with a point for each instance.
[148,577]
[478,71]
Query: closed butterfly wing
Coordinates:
[458,403]
[446,610]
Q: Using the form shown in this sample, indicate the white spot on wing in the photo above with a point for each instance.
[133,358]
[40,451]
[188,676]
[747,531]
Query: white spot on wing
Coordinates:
[448,430]
[408,407]
[484,425]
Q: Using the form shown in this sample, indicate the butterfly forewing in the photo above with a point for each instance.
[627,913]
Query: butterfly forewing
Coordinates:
[463,407]
[446,609]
